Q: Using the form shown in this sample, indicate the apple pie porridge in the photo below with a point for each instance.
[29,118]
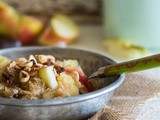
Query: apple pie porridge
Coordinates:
[41,77]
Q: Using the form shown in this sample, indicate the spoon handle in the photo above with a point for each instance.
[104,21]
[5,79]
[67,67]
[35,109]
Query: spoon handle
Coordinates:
[129,66]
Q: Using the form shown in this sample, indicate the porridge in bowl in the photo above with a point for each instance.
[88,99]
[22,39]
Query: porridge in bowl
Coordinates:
[41,77]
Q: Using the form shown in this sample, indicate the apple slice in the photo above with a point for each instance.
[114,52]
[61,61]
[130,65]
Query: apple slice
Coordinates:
[48,76]
[64,27]
[82,78]
[61,29]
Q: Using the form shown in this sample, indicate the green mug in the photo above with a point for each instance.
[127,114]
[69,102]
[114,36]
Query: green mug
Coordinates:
[137,21]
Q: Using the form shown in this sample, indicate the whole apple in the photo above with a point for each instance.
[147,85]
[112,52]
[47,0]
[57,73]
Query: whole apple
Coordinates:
[29,28]
[9,20]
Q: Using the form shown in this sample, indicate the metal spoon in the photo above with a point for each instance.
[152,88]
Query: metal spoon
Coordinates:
[128,67]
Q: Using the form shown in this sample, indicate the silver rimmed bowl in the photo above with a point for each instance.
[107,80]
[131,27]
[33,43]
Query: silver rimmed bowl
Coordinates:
[71,108]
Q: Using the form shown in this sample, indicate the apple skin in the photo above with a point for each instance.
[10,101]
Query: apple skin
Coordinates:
[54,32]
[82,78]
[29,28]
[9,20]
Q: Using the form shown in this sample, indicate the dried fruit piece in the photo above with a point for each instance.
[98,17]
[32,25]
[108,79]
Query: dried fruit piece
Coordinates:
[59,69]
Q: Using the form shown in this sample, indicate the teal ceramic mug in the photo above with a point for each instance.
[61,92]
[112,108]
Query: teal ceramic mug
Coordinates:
[133,20]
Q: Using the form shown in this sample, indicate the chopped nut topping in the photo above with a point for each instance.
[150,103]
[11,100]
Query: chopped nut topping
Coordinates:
[32,58]
[24,76]
[12,64]
[21,79]
[33,73]
[26,64]
[45,58]
[21,60]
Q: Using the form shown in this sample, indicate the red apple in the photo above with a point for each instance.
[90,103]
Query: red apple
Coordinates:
[9,20]
[28,29]
[61,28]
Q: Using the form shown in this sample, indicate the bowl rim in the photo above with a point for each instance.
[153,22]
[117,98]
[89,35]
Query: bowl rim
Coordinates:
[61,101]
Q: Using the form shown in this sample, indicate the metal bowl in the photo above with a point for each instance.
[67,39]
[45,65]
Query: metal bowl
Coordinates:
[71,108]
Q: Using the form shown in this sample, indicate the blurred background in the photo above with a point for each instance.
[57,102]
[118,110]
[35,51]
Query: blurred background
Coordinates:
[120,29]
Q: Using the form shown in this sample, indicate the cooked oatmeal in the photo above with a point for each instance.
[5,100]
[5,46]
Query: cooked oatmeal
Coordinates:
[41,77]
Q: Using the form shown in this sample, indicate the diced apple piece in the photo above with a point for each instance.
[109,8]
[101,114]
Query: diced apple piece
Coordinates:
[9,20]
[28,29]
[75,77]
[61,28]
[71,64]
[3,64]
[82,78]
[48,76]
[3,61]
[66,86]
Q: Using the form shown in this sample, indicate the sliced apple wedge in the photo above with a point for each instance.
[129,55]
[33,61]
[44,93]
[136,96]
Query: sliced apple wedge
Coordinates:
[48,76]
[64,27]
[61,29]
